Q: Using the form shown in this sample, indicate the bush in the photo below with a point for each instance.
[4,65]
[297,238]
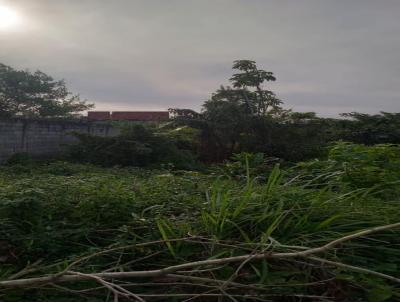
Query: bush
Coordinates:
[357,166]
[135,146]
[244,165]
[20,159]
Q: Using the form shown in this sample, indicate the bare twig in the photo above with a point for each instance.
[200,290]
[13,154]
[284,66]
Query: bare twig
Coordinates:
[245,286]
[115,249]
[208,295]
[30,268]
[114,288]
[131,262]
[356,269]
[254,297]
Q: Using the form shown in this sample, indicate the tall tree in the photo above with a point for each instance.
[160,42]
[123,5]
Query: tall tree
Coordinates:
[232,110]
[23,93]
[247,117]
[249,82]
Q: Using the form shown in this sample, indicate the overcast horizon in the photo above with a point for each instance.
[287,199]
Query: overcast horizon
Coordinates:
[328,56]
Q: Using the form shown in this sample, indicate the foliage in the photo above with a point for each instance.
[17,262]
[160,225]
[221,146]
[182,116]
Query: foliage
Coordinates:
[59,212]
[258,101]
[137,145]
[23,93]
[376,168]
[229,113]
[247,117]
[20,158]
[371,129]
[55,214]
[245,165]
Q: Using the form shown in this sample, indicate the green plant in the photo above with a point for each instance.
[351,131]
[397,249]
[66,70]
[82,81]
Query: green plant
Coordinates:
[357,166]
[82,218]
[137,145]
[20,159]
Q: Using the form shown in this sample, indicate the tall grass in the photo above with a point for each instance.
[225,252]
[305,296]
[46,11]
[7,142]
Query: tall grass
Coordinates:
[59,212]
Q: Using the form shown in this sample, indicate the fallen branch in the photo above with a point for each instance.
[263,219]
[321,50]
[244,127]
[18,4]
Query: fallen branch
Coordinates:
[356,269]
[68,277]
[114,288]
[115,249]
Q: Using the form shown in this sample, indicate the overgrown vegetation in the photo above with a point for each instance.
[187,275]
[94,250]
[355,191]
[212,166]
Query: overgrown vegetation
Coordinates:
[248,117]
[59,218]
[137,145]
[244,201]
[244,117]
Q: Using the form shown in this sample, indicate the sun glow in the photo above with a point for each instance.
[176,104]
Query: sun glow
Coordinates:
[8,18]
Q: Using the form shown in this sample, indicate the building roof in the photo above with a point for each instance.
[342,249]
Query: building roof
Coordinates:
[128,115]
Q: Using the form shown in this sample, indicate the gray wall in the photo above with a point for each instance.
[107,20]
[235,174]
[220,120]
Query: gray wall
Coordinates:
[44,138]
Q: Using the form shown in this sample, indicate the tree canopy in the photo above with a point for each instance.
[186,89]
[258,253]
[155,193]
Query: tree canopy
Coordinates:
[36,94]
[248,117]
[247,93]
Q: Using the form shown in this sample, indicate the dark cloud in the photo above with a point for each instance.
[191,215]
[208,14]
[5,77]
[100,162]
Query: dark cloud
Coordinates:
[328,56]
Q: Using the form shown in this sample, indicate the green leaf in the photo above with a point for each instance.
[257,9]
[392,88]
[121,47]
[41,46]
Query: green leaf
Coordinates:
[380,294]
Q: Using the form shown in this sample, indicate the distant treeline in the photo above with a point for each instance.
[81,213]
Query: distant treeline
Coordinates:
[244,117]
[292,137]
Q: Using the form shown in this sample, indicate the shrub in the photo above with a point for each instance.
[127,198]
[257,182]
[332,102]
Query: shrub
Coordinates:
[357,166]
[135,146]
[20,159]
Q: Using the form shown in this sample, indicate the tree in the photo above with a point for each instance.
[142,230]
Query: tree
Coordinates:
[247,117]
[23,93]
[249,83]
[232,110]
[247,92]
[370,129]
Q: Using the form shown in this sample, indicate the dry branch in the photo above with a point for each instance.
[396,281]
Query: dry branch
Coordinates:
[68,277]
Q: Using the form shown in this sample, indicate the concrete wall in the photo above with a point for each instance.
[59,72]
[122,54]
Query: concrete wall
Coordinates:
[44,138]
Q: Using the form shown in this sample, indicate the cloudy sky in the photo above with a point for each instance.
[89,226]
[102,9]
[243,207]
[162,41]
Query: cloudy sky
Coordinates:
[329,56]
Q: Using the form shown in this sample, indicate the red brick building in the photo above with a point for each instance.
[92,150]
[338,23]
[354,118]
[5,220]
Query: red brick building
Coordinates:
[99,115]
[155,116]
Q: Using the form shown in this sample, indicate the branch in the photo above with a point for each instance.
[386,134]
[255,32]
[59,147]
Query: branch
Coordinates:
[114,288]
[171,269]
[120,248]
[356,269]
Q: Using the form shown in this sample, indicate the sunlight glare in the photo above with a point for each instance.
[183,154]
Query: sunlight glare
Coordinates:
[8,18]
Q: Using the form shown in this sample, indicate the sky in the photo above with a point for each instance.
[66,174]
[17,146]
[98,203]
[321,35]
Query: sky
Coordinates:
[329,56]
